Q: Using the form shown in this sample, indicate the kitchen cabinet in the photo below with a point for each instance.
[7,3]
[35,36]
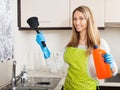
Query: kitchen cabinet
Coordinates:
[108,88]
[56,14]
[97,7]
[112,12]
[52,14]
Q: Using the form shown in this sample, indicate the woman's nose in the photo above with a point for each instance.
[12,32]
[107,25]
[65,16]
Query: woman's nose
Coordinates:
[78,22]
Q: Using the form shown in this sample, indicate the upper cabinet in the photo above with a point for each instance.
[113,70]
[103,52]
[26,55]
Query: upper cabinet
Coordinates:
[112,13]
[97,7]
[52,14]
[57,14]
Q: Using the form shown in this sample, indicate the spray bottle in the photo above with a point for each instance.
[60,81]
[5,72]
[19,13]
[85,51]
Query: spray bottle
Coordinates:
[102,69]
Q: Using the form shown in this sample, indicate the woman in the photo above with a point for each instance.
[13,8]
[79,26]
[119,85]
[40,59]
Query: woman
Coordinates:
[81,73]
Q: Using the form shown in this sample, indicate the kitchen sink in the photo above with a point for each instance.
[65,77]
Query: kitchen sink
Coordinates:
[35,83]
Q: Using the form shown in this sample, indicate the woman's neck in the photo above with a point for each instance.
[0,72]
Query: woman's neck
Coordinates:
[83,38]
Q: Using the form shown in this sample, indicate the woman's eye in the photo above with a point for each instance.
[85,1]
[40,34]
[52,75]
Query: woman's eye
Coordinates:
[81,19]
[74,18]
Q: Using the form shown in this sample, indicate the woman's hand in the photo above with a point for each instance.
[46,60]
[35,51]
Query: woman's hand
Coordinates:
[39,39]
[108,59]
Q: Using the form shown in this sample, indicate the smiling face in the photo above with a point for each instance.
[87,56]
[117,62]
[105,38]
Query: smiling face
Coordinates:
[83,25]
[79,21]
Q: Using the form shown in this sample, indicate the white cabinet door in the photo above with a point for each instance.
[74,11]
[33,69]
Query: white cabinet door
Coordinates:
[51,13]
[112,12]
[97,7]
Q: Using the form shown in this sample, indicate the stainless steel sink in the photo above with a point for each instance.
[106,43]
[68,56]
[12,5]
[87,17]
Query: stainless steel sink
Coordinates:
[35,83]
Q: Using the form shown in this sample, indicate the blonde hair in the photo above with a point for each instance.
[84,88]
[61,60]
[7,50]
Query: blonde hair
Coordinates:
[93,37]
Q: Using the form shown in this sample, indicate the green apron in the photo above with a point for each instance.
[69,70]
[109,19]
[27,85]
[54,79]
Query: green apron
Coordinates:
[77,77]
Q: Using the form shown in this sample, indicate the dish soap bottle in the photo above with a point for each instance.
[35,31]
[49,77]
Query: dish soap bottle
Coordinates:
[24,76]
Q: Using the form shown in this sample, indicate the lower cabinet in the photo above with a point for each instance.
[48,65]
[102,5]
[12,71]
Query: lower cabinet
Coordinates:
[108,88]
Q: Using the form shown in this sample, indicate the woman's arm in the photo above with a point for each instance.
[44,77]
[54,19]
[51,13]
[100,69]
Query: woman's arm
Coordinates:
[104,46]
[54,61]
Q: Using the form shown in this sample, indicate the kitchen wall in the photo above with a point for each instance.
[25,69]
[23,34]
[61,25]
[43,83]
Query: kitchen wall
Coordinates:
[27,51]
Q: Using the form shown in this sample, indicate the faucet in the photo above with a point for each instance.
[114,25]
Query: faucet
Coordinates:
[15,78]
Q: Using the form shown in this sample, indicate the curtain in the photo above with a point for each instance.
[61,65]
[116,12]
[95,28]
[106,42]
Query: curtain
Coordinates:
[6,31]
